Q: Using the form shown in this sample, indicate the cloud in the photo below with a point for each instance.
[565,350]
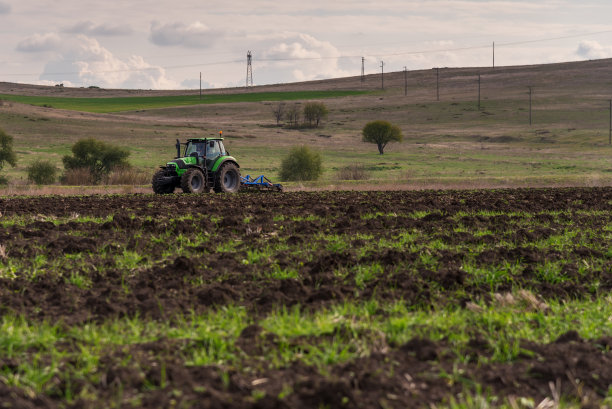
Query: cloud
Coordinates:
[195,35]
[40,43]
[593,50]
[91,29]
[4,8]
[302,56]
[84,61]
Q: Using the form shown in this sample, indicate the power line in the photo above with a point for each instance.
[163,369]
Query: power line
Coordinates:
[338,57]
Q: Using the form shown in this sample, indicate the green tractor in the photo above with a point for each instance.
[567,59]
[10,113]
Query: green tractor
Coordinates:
[204,165]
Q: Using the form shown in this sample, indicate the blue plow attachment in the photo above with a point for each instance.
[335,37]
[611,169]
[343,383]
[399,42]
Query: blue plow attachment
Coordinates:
[259,183]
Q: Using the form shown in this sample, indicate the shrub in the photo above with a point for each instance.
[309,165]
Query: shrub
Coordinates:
[353,172]
[302,163]
[128,176]
[99,157]
[42,173]
[77,177]
[7,155]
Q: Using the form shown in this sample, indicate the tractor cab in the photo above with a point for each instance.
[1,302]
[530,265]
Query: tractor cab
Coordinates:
[206,151]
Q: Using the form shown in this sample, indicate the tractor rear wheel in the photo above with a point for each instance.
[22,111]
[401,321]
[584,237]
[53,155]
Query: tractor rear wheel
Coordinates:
[159,186]
[227,179]
[193,181]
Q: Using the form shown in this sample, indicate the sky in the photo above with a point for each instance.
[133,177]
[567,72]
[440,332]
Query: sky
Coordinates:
[166,44]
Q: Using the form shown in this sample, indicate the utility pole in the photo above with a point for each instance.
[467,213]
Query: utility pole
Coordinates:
[200,85]
[479,91]
[382,75]
[405,81]
[610,129]
[362,69]
[493,54]
[437,84]
[249,75]
[530,93]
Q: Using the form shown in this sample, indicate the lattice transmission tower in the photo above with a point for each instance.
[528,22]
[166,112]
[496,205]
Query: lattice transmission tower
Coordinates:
[249,77]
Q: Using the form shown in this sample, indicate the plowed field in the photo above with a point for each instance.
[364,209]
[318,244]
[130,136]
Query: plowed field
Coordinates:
[307,300]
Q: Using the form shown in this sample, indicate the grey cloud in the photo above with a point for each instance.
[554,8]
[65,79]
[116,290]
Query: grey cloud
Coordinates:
[4,8]
[593,50]
[195,35]
[89,28]
[40,43]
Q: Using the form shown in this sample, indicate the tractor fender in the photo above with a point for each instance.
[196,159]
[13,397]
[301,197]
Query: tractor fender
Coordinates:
[222,160]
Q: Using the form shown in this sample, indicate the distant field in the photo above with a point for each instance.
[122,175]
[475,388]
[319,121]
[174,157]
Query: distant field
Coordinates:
[119,104]
[448,143]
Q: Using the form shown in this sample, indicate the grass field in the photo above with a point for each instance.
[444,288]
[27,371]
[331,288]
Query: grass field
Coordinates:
[447,143]
[120,104]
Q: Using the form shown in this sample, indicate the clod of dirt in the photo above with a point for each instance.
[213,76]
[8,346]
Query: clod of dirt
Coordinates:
[423,349]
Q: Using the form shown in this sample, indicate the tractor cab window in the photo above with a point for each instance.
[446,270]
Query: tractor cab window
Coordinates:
[213,150]
[195,148]
[222,148]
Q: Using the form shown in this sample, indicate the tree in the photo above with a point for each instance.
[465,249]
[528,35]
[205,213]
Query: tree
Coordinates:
[314,112]
[99,157]
[42,172]
[279,112]
[7,155]
[381,133]
[293,115]
[302,163]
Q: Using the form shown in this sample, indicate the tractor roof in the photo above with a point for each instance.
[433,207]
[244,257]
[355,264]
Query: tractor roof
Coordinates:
[213,138]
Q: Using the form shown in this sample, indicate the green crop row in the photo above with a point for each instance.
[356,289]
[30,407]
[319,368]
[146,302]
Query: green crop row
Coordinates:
[43,351]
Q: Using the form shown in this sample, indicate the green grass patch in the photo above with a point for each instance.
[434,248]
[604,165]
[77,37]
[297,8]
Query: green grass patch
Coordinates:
[119,104]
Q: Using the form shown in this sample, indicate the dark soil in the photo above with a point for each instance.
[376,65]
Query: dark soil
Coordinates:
[220,231]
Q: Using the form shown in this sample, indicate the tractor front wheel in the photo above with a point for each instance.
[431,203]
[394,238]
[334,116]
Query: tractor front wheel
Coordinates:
[158,184]
[227,179]
[193,181]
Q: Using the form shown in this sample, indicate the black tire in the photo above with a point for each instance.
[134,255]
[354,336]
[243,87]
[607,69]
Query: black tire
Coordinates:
[193,181]
[227,179]
[158,186]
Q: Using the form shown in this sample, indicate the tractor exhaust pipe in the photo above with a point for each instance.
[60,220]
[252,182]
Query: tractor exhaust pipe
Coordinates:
[178,148]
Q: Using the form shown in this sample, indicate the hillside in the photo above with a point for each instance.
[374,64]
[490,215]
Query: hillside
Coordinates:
[448,143]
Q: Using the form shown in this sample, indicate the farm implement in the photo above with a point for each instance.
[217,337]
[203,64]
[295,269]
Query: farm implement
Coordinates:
[260,183]
[205,165]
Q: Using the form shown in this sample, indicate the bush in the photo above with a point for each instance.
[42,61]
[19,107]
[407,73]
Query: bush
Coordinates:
[7,155]
[353,172]
[99,157]
[302,163]
[42,173]
[128,176]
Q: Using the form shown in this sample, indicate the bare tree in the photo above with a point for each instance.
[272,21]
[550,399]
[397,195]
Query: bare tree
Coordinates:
[279,112]
[293,116]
